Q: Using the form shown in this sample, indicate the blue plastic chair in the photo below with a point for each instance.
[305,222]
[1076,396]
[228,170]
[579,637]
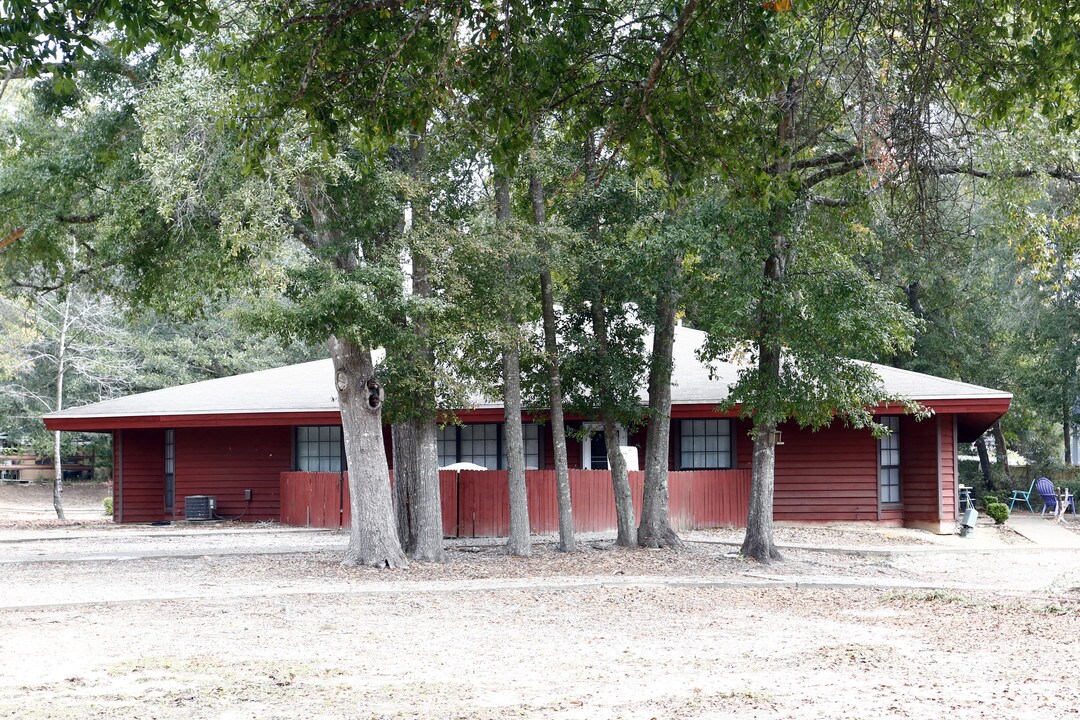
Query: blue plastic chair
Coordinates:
[1024,495]
[1049,497]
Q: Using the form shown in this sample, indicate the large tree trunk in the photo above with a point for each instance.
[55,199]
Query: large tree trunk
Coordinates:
[373,538]
[758,542]
[1066,429]
[403,441]
[1001,452]
[417,499]
[567,543]
[61,370]
[519,542]
[427,540]
[655,530]
[984,462]
[620,481]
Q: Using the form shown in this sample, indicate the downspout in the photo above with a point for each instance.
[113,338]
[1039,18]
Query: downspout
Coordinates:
[120,477]
[937,464]
[956,465]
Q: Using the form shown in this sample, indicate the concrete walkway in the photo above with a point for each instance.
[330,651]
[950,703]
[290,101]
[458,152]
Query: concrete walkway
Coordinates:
[1045,532]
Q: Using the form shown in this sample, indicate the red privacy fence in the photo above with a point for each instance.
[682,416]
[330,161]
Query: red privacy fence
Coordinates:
[476,503]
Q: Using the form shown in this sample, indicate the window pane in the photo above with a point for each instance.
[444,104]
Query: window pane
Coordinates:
[706,443]
[318,448]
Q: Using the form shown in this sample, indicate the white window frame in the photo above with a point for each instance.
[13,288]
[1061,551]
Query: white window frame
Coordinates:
[586,442]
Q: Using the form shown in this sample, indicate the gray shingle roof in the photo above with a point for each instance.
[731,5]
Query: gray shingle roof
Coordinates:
[309,387]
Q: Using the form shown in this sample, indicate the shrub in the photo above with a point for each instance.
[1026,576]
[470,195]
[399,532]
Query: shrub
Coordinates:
[108,506]
[989,500]
[998,511]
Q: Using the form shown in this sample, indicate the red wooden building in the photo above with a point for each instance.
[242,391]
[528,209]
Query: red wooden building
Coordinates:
[243,440]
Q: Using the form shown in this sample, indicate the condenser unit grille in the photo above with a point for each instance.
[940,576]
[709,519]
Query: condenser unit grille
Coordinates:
[200,507]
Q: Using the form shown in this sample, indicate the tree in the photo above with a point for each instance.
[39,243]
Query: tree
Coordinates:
[73,345]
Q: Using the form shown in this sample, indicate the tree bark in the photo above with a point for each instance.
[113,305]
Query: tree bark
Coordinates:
[567,542]
[620,481]
[373,538]
[984,462]
[1001,452]
[427,537]
[403,440]
[1066,429]
[758,542]
[61,370]
[655,530]
[519,542]
[427,540]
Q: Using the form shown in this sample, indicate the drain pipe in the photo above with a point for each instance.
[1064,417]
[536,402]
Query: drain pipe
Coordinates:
[120,478]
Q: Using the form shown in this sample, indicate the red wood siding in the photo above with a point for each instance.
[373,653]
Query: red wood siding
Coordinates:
[826,476]
[919,469]
[140,470]
[225,461]
[744,445]
[947,462]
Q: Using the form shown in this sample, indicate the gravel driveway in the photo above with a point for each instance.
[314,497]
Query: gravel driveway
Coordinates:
[264,622]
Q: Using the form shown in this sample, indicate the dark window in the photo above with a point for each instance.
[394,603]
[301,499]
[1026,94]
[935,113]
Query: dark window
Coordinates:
[482,443]
[533,457]
[598,451]
[889,461]
[170,469]
[705,444]
[479,444]
[448,450]
[319,448]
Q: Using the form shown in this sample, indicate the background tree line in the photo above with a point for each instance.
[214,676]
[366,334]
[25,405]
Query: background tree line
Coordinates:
[521,198]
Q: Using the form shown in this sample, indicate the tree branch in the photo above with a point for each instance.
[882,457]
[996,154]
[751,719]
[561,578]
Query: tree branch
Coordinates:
[78,219]
[1058,173]
[829,202]
[823,160]
[335,18]
[12,74]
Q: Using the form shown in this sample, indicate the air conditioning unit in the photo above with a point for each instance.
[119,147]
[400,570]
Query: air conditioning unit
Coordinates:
[200,507]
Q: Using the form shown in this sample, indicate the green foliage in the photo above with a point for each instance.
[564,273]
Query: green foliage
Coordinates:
[56,36]
[831,309]
[108,503]
[988,500]
[998,511]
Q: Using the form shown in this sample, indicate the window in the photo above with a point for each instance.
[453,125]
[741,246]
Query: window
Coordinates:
[170,468]
[479,444]
[483,444]
[531,433]
[318,448]
[447,441]
[889,461]
[597,451]
[705,444]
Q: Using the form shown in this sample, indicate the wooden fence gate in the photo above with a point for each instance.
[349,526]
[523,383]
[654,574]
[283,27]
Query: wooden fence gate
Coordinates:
[476,503]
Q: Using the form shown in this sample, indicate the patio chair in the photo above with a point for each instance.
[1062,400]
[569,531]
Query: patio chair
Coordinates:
[1049,497]
[1024,495]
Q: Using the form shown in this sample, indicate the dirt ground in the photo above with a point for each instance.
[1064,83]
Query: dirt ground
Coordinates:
[263,622]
